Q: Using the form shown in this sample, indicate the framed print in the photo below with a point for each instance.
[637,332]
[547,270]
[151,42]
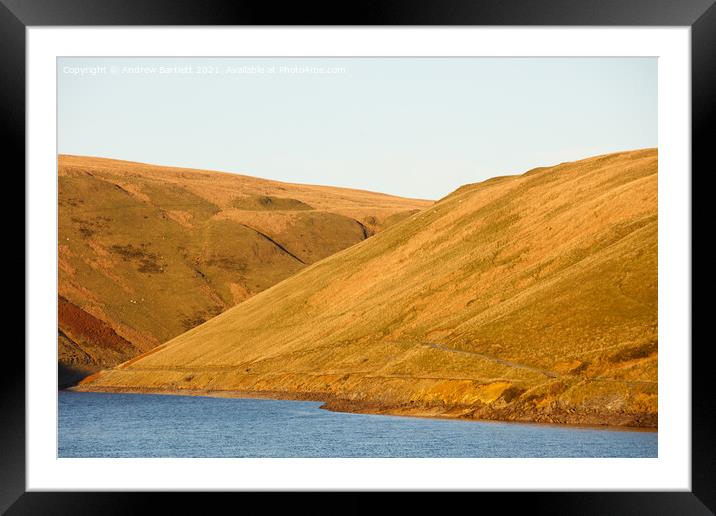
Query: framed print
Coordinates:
[420,249]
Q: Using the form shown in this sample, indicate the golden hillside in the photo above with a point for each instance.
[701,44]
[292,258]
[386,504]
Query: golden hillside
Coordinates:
[530,298]
[147,252]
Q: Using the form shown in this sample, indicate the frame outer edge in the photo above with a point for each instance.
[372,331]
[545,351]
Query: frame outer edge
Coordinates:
[12,135]
[703,114]
[368,12]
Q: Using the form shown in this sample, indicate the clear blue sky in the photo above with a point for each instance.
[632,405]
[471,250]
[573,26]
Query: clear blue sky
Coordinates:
[418,127]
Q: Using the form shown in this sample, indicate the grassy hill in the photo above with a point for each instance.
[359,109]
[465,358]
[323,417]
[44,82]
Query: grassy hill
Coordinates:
[147,252]
[527,298]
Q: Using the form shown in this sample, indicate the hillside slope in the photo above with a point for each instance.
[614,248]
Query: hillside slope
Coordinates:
[147,252]
[530,298]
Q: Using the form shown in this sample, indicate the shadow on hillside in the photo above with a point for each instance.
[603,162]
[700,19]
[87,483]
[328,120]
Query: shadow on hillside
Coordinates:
[70,376]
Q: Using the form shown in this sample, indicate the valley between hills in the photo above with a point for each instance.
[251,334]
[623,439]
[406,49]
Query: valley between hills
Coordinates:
[527,298]
[146,253]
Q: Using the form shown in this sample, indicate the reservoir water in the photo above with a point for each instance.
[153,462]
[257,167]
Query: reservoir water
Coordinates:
[147,425]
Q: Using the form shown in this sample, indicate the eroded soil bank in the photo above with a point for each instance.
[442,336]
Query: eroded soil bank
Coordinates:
[554,415]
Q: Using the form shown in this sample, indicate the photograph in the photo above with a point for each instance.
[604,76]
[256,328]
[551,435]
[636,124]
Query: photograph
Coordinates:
[357,257]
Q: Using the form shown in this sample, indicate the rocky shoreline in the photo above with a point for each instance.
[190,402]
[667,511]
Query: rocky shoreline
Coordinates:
[555,415]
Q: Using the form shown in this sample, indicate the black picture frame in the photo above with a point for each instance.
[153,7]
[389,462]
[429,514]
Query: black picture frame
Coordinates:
[17,15]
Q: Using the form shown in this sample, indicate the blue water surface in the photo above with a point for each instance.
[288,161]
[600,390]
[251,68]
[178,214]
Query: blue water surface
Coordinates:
[148,425]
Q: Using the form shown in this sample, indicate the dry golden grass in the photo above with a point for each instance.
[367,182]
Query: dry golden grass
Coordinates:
[147,252]
[529,297]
